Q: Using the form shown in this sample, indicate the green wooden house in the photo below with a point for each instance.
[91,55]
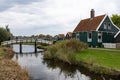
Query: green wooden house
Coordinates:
[59,37]
[96,30]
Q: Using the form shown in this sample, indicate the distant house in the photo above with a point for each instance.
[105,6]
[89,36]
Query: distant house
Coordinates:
[68,35]
[59,37]
[97,30]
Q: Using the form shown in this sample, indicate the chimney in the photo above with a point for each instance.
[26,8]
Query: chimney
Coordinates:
[92,14]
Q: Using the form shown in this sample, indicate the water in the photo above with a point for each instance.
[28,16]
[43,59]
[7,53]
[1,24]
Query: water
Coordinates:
[40,69]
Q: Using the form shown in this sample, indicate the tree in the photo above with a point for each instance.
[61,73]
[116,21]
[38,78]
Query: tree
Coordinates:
[48,36]
[116,19]
[4,35]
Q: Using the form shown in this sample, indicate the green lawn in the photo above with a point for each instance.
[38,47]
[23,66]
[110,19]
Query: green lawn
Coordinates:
[105,58]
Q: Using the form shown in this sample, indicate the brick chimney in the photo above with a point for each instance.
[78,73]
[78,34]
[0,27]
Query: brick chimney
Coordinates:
[92,14]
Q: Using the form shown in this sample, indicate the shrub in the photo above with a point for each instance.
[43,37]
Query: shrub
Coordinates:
[73,45]
[64,50]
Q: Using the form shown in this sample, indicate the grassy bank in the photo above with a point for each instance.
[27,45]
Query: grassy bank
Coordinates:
[75,53]
[100,61]
[10,70]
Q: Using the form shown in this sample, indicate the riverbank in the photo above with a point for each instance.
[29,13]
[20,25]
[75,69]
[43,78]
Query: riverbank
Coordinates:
[9,69]
[98,61]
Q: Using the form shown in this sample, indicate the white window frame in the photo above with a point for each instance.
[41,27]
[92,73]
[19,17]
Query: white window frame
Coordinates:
[88,37]
[105,25]
[99,34]
[77,36]
[109,26]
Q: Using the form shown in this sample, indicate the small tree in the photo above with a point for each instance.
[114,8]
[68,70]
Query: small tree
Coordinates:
[116,19]
[4,35]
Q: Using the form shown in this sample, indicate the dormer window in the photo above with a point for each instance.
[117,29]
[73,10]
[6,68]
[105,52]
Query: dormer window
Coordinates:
[105,25]
[109,26]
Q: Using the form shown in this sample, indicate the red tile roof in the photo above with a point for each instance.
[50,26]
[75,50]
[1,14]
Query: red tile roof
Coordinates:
[89,24]
[61,35]
[69,33]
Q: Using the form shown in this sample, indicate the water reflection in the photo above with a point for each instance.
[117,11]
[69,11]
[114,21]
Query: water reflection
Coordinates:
[40,69]
[18,55]
[67,70]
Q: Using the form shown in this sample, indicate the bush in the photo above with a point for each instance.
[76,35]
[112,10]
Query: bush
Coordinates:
[65,50]
[73,45]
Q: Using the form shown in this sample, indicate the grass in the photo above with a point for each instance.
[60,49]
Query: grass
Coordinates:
[109,59]
[10,70]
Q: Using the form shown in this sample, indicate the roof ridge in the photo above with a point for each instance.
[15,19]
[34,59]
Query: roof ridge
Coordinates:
[94,17]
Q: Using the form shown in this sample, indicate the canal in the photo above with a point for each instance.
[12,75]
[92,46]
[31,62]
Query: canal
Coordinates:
[40,69]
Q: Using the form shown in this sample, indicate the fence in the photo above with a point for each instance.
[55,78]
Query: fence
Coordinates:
[117,45]
[109,45]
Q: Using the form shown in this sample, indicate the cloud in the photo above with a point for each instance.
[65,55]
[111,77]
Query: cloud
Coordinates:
[51,16]
[6,4]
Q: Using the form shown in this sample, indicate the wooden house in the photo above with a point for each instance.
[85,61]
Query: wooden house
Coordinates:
[59,37]
[96,30]
[68,35]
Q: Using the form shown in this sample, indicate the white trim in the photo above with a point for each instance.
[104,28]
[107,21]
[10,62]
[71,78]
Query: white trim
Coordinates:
[99,40]
[89,39]
[101,22]
[116,34]
[113,23]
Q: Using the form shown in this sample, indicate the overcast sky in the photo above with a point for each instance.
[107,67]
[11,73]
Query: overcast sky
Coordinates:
[28,17]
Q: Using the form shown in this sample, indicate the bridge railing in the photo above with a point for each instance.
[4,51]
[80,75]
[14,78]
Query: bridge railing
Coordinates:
[26,40]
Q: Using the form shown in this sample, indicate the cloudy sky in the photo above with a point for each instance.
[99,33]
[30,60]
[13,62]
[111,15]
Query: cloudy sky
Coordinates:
[28,17]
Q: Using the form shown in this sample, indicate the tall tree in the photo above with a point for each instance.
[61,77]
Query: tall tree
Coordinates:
[116,19]
[4,35]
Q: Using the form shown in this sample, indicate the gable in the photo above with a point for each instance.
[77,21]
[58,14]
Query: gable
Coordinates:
[89,24]
[110,27]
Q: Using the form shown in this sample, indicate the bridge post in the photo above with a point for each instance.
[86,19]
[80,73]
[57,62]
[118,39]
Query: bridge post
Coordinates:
[35,45]
[20,46]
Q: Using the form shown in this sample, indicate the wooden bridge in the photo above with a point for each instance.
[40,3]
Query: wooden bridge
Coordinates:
[26,41]
[21,41]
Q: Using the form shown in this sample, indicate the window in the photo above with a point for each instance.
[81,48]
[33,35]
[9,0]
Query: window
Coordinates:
[109,26]
[105,25]
[89,36]
[99,37]
[77,36]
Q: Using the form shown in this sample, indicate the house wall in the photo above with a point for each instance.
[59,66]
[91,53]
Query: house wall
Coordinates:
[59,39]
[108,37]
[73,35]
[83,36]
[118,38]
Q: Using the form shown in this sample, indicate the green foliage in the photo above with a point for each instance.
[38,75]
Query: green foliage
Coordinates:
[72,46]
[64,50]
[4,35]
[116,19]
